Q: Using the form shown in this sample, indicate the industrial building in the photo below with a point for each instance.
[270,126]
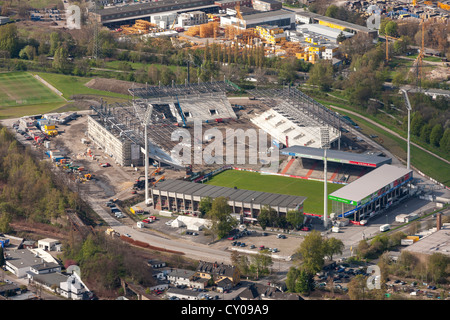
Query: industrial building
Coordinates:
[371,194]
[281,18]
[127,14]
[184,197]
[267,5]
[307,17]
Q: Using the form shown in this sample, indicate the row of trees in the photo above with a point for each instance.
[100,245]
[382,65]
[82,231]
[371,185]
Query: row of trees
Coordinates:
[219,212]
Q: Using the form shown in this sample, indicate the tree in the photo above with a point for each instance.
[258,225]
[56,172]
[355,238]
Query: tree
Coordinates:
[55,42]
[5,220]
[438,266]
[341,37]
[60,60]
[294,218]
[332,11]
[267,217]
[305,282]
[436,135]
[260,263]
[291,278]
[444,143]
[425,132]
[333,246]
[356,287]
[205,205]
[391,29]
[321,75]
[28,52]
[312,252]
[9,40]
[221,219]
[416,123]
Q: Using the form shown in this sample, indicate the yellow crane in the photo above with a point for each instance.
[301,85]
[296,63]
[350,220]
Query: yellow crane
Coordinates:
[387,45]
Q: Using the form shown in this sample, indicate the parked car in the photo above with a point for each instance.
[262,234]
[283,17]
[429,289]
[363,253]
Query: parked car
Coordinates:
[127,235]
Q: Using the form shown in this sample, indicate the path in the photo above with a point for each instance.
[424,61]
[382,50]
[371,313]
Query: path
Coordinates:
[389,131]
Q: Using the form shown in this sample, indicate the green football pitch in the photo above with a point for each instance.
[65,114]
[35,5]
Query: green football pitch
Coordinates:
[21,88]
[312,190]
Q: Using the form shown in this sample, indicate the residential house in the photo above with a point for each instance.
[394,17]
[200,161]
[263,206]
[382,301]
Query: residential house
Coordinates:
[72,288]
[218,271]
[48,244]
[182,294]
[257,291]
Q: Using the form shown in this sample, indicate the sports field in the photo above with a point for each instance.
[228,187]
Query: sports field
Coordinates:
[313,190]
[21,88]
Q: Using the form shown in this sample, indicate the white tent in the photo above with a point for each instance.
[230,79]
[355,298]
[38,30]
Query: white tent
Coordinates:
[190,223]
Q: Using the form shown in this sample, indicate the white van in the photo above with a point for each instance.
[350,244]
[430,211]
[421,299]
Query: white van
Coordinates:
[385,227]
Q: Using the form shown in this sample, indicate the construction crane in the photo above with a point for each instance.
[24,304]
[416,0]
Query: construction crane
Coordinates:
[387,45]
[174,21]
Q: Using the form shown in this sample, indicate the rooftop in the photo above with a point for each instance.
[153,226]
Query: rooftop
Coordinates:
[360,159]
[239,195]
[438,241]
[379,180]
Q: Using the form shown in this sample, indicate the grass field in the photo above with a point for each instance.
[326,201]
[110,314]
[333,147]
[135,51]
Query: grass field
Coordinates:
[313,190]
[70,85]
[21,88]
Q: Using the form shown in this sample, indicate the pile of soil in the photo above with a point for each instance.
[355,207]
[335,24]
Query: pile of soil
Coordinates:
[112,85]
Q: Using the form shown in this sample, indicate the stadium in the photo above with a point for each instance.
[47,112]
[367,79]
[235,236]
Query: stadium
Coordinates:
[298,129]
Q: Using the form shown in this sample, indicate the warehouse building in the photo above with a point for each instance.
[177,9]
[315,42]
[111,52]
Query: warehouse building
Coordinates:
[184,197]
[313,18]
[127,14]
[281,18]
[371,194]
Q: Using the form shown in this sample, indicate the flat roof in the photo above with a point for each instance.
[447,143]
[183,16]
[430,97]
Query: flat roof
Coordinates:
[372,184]
[166,4]
[238,195]
[359,159]
[438,241]
[342,23]
[267,14]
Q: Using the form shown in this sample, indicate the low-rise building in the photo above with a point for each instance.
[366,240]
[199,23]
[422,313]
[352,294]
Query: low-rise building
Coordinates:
[271,34]
[218,272]
[267,5]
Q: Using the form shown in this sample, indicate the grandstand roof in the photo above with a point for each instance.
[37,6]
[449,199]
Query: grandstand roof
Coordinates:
[237,195]
[373,184]
[359,159]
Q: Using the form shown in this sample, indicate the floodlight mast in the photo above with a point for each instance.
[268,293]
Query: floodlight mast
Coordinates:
[325,142]
[145,120]
[408,107]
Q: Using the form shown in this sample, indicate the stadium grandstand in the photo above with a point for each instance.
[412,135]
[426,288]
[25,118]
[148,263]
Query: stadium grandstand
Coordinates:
[294,118]
[372,194]
[184,197]
[357,159]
